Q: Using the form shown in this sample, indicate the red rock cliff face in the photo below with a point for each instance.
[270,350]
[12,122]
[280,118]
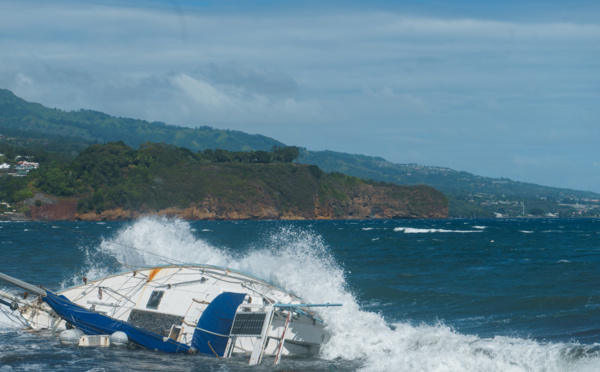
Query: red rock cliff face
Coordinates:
[55,210]
[362,202]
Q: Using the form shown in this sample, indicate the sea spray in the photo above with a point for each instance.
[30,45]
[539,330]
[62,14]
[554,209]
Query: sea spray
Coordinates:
[294,259]
[406,347]
[9,319]
[299,260]
[295,256]
[159,241]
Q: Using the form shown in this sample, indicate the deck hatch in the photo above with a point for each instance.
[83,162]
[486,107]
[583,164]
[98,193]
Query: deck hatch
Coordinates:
[248,324]
[155,299]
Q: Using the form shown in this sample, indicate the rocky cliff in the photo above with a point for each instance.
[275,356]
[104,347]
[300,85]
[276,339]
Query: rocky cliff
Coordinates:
[113,181]
[364,202]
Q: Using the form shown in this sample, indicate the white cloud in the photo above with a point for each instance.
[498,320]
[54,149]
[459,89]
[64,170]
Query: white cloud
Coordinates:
[202,93]
[23,80]
[355,81]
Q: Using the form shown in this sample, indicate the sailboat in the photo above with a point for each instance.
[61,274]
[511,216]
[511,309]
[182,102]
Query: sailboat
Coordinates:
[176,309]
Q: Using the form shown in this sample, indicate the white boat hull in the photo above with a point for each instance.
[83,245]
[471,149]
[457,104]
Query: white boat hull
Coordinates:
[170,300]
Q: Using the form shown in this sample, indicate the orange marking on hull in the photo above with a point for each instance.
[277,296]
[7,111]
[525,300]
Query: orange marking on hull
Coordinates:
[153,274]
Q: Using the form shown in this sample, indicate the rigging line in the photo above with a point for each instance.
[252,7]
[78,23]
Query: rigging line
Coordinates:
[52,233]
[62,237]
[13,318]
[99,283]
[109,290]
[164,258]
[166,278]
[240,281]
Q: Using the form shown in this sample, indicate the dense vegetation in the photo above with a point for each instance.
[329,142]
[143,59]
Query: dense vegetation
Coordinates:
[64,176]
[468,195]
[32,127]
[97,127]
[160,176]
[156,176]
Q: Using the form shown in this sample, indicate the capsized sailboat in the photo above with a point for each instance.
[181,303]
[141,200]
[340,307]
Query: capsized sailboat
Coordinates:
[178,309]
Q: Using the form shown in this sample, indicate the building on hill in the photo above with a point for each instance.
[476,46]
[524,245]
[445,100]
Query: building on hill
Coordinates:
[23,167]
[26,165]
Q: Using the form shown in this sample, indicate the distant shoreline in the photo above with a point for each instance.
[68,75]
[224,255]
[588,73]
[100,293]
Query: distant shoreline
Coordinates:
[20,217]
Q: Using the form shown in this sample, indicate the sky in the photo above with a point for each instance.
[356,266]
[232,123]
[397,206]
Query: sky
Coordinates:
[495,88]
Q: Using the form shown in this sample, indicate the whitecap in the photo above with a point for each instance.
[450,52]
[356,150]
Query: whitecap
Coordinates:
[299,261]
[411,230]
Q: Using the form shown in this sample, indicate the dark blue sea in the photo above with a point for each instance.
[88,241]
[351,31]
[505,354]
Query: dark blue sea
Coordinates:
[418,295]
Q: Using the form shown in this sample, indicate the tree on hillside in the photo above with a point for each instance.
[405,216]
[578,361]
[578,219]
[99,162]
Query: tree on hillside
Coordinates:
[285,154]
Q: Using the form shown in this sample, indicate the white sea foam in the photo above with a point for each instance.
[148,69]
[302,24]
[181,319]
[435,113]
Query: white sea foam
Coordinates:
[9,320]
[299,261]
[412,230]
[154,241]
[439,348]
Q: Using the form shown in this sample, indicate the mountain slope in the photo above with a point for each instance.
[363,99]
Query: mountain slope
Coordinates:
[114,181]
[468,195]
[18,114]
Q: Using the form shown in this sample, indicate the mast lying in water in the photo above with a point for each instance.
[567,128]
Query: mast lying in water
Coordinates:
[19,283]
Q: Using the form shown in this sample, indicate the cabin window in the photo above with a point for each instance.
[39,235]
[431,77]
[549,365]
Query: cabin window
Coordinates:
[154,300]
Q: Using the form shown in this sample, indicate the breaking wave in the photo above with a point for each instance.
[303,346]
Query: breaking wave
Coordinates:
[299,260]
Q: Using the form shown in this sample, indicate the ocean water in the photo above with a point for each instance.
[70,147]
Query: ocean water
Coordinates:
[418,295]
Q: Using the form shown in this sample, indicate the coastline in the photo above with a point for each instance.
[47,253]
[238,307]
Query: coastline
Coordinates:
[368,204]
[13,217]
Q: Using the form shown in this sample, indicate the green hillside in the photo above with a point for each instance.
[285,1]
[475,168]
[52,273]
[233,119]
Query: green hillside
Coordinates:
[469,195]
[114,181]
[30,126]
[92,126]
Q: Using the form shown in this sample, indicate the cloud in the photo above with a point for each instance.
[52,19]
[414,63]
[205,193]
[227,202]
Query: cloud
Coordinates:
[202,93]
[253,80]
[414,86]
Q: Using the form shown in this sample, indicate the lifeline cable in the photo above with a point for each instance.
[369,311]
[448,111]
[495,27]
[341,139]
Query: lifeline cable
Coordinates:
[164,258]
